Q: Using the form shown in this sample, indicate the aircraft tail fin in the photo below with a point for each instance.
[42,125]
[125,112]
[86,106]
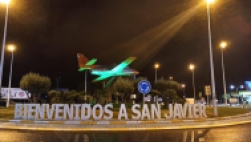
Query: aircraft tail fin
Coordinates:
[82,60]
[85,63]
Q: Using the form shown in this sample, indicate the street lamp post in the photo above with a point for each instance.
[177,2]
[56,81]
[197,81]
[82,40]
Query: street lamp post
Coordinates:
[85,80]
[85,84]
[223,46]
[4,41]
[183,90]
[11,48]
[211,58]
[191,67]
[156,66]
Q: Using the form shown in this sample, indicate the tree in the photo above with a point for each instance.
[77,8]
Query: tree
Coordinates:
[71,96]
[55,96]
[172,92]
[35,84]
[168,90]
[161,85]
[124,87]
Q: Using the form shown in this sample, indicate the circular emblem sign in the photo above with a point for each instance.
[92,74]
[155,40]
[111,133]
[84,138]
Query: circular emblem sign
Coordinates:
[144,86]
[21,94]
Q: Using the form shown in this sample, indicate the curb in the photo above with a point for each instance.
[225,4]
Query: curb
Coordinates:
[123,122]
[116,125]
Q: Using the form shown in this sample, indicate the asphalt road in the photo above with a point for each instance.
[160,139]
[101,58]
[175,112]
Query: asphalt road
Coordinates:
[239,133]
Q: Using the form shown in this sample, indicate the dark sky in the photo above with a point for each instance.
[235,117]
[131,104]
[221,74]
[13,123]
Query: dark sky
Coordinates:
[49,33]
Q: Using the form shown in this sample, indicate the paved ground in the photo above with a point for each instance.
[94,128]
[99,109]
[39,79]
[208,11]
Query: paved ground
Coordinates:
[172,131]
[238,133]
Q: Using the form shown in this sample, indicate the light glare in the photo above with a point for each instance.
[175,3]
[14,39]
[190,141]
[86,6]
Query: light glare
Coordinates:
[231,86]
[223,44]
[5,1]
[210,1]
[11,47]
[156,66]
[191,66]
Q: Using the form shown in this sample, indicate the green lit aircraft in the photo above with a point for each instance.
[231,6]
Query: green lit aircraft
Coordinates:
[121,69]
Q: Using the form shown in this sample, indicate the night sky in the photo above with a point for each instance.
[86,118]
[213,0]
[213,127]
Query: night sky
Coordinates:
[173,33]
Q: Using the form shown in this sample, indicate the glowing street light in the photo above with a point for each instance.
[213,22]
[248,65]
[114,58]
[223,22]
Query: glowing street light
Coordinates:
[211,58]
[223,45]
[156,66]
[11,48]
[170,78]
[191,67]
[4,41]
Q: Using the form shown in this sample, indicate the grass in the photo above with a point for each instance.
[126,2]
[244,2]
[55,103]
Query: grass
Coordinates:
[225,111]
[8,113]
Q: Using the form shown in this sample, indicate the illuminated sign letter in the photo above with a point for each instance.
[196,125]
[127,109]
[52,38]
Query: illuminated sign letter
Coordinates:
[18,111]
[156,111]
[136,111]
[49,111]
[59,110]
[68,111]
[84,115]
[94,113]
[122,112]
[77,106]
[39,111]
[108,111]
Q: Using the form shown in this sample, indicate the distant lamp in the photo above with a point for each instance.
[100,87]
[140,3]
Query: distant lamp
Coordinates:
[156,66]
[241,86]
[191,66]
[231,86]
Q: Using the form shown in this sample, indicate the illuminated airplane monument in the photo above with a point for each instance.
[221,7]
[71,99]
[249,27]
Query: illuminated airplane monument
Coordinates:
[121,69]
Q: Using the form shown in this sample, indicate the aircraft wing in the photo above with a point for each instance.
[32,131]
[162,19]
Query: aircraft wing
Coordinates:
[122,65]
[102,77]
[91,62]
[81,69]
